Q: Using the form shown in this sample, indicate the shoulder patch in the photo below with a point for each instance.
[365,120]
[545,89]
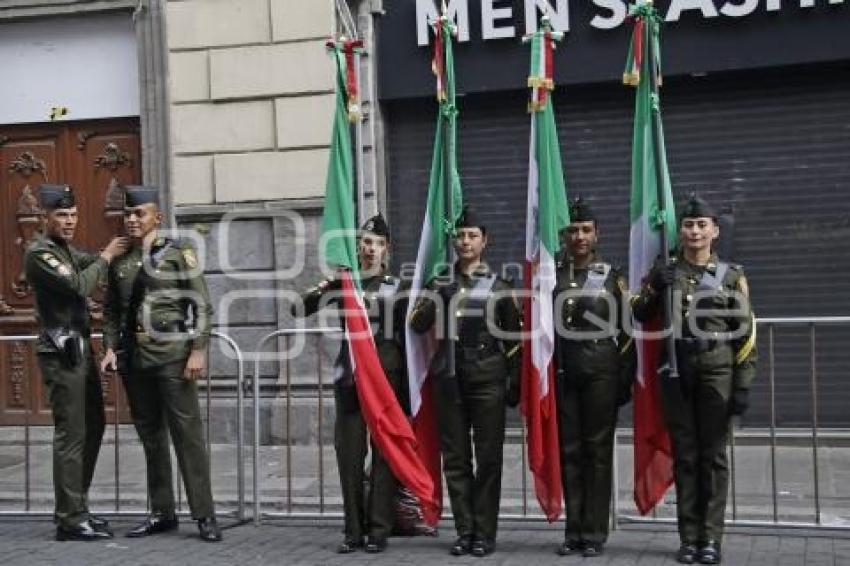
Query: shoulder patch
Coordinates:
[61,268]
[189,257]
[50,259]
[743,286]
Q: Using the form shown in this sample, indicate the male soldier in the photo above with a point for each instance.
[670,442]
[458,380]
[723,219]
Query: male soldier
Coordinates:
[715,349]
[387,313]
[595,362]
[62,278]
[151,289]
[483,324]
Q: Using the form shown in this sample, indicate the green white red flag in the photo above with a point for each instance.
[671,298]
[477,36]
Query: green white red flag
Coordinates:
[444,203]
[650,216]
[388,425]
[547,215]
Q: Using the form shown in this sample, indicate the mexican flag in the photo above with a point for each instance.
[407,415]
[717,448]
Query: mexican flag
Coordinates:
[443,209]
[547,215]
[386,421]
[651,214]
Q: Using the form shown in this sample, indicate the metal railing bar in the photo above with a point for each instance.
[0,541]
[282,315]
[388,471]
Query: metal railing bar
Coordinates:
[30,397]
[815,469]
[286,343]
[116,425]
[615,479]
[789,320]
[524,469]
[240,421]
[733,482]
[773,471]
[320,436]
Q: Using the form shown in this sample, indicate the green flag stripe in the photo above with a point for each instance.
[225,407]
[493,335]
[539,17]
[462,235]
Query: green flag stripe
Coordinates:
[338,224]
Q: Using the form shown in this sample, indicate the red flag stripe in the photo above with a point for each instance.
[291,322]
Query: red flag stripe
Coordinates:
[541,417]
[653,471]
[387,423]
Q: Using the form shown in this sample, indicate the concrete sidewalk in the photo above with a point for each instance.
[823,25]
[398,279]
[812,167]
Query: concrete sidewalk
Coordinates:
[30,542]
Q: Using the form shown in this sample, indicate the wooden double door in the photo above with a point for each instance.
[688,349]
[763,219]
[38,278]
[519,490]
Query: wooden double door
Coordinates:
[96,158]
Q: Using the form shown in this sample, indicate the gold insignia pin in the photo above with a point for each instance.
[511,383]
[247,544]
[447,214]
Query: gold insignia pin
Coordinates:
[191,259]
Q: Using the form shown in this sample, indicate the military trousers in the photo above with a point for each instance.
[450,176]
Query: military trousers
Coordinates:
[162,402]
[374,515]
[471,419]
[76,399]
[696,412]
[587,419]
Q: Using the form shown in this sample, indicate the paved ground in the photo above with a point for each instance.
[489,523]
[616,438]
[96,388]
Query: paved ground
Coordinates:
[29,542]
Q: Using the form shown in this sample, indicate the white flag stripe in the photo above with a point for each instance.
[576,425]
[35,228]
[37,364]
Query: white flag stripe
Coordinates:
[420,348]
[543,276]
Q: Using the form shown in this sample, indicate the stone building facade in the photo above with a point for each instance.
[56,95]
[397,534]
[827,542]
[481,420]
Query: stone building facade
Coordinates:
[236,101]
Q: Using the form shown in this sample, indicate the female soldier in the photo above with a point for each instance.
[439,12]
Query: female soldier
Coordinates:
[373,519]
[595,360]
[715,350]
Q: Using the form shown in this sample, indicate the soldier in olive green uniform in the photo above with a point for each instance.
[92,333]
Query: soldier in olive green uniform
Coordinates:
[62,278]
[595,368]
[715,349]
[471,402]
[350,433]
[151,290]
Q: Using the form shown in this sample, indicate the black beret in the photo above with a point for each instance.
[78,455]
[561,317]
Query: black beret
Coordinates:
[377,225]
[696,207]
[136,195]
[469,219]
[580,211]
[56,196]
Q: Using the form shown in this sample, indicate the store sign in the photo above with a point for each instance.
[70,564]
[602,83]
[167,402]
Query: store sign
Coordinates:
[498,21]
[698,36]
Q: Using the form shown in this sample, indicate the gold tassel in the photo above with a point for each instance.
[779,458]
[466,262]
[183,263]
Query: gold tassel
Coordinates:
[631,79]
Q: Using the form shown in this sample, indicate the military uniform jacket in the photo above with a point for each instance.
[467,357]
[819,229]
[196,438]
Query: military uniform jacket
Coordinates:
[62,277]
[727,333]
[386,313]
[589,303]
[172,289]
[479,355]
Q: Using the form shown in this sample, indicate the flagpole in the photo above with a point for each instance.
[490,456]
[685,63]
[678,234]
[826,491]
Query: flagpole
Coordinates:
[447,200]
[360,213]
[672,361]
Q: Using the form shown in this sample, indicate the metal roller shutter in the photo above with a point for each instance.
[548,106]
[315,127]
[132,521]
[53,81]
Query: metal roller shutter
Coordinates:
[771,148]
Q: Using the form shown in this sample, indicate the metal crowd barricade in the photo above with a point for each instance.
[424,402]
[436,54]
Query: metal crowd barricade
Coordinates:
[771,324]
[529,510]
[287,333]
[116,423]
